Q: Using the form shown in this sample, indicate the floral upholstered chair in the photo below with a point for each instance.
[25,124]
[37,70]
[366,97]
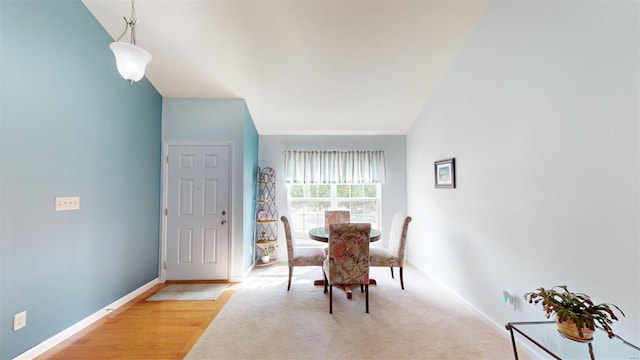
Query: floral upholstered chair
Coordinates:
[336,217]
[300,256]
[348,259]
[394,254]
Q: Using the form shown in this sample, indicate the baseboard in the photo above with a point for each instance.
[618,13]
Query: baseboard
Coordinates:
[244,275]
[75,328]
[524,347]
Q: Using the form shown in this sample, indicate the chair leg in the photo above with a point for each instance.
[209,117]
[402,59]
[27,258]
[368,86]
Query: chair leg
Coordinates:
[330,299]
[366,296]
[361,288]
[290,274]
[391,267]
[326,281]
[401,279]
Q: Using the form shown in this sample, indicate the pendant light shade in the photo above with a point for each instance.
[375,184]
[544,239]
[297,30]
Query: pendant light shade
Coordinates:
[131,60]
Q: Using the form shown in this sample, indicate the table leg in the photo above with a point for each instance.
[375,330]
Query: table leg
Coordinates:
[347,288]
[513,342]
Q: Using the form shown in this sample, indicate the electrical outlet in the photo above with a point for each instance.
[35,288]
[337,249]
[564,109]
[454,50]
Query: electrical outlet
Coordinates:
[65,203]
[19,320]
[509,300]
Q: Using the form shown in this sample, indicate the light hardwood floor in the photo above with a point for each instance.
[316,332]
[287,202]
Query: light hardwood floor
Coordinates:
[144,329]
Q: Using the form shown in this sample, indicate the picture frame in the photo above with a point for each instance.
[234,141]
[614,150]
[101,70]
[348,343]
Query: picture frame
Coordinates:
[445,173]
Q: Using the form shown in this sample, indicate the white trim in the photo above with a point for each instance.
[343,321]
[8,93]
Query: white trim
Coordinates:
[232,198]
[80,325]
[334,205]
[525,347]
[162,273]
[246,273]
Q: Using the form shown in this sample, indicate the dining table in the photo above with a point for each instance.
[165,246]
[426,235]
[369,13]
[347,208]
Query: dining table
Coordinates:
[321,234]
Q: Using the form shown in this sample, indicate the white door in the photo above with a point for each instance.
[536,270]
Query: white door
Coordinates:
[197,212]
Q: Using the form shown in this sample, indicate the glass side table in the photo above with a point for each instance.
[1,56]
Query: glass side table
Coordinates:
[545,335]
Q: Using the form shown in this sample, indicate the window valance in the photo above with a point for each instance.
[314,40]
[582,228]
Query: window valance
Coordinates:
[334,167]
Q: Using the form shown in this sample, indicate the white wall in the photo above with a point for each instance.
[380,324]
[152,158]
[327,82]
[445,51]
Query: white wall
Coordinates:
[394,195]
[540,111]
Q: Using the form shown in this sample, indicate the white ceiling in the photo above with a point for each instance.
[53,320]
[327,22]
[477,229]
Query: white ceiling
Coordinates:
[303,67]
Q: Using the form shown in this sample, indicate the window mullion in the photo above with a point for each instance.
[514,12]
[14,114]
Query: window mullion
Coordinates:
[334,196]
[310,196]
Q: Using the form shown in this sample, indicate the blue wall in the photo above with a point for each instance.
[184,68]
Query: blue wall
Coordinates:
[70,126]
[251,141]
[223,121]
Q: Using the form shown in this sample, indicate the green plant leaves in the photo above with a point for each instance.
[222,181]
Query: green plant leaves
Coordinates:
[575,306]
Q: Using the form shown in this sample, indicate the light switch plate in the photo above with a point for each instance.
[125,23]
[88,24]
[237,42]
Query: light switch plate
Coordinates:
[19,320]
[65,203]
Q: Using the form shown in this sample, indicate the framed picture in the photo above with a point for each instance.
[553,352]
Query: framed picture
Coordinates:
[445,173]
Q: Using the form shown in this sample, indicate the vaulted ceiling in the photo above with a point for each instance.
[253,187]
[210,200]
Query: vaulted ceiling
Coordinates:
[303,67]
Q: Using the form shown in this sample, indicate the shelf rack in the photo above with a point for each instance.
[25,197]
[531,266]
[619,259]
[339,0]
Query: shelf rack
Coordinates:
[266,235]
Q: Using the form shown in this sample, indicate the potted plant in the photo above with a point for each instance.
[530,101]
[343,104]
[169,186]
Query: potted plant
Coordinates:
[575,313]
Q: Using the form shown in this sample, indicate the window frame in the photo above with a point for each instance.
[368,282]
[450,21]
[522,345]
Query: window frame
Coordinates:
[300,227]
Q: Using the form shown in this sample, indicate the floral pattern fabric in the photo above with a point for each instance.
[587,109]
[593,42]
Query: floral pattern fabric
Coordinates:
[348,256]
[394,254]
[336,217]
[298,256]
[308,256]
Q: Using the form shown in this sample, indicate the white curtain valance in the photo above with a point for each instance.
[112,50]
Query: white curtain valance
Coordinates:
[334,167]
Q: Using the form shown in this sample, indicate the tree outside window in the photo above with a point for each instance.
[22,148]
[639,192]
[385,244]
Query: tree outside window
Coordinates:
[307,203]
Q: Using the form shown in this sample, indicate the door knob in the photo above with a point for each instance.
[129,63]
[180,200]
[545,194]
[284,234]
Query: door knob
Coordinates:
[223,222]
[224,212]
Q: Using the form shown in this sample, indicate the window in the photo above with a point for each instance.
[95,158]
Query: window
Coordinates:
[322,180]
[307,203]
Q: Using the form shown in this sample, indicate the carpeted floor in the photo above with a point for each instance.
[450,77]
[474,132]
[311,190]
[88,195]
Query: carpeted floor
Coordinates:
[264,321]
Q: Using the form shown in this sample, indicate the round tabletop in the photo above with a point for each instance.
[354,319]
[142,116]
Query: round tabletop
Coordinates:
[321,234]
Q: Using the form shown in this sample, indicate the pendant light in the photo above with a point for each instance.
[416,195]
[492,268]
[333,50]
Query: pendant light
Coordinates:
[131,60]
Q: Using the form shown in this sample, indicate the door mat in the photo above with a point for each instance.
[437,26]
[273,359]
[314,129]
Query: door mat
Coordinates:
[188,292]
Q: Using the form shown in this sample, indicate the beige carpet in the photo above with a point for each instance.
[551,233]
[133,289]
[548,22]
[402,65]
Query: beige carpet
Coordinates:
[264,321]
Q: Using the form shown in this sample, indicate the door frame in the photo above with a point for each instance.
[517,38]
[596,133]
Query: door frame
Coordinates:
[162,271]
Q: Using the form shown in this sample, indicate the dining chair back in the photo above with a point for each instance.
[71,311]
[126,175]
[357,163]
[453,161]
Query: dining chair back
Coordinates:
[336,217]
[393,255]
[300,256]
[347,262]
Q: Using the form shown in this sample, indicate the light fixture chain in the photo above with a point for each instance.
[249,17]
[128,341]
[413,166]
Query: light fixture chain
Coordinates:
[133,10]
[132,22]
[131,60]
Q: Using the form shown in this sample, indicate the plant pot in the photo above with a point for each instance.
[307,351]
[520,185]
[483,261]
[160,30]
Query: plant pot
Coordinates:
[569,330]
